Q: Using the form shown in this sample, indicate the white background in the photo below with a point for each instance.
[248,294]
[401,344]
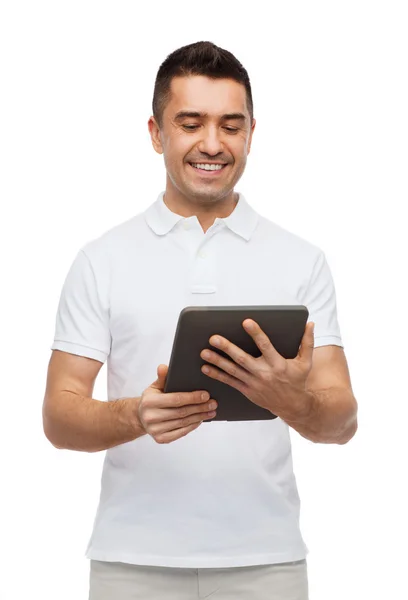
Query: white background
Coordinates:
[328,162]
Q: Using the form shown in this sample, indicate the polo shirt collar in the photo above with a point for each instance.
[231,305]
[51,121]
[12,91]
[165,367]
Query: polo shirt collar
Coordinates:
[242,220]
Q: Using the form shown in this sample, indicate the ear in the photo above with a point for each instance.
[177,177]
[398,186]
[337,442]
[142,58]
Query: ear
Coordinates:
[250,135]
[154,131]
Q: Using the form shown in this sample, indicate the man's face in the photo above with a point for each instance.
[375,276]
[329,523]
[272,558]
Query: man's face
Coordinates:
[207,137]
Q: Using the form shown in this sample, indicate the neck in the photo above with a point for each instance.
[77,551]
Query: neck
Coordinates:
[205,209]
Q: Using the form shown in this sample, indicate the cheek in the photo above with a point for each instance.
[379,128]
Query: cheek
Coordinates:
[173,161]
[176,156]
[240,149]
[240,161]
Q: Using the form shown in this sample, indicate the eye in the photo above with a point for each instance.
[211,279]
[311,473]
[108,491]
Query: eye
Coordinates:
[193,127]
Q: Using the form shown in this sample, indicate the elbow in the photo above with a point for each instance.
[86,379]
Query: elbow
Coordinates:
[49,430]
[351,429]
[349,434]
[51,439]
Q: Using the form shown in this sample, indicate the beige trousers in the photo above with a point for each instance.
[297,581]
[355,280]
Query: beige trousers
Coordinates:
[122,581]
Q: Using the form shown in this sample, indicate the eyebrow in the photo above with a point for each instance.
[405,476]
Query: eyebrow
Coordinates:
[193,114]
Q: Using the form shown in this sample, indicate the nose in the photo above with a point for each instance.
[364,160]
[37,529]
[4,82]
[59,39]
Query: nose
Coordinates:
[210,142]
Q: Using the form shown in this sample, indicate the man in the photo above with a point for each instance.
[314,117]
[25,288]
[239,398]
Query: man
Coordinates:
[191,509]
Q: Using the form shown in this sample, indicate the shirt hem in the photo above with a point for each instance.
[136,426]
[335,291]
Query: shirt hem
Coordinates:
[328,340]
[79,349]
[199,563]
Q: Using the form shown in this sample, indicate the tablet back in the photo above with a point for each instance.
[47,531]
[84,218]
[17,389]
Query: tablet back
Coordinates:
[284,325]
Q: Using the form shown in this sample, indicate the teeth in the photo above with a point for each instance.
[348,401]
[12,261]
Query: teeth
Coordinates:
[208,167]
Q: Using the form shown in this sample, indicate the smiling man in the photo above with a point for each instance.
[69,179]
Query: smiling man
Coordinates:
[191,509]
[205,133]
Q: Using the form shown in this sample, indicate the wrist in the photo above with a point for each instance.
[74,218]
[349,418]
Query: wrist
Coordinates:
[134,416]
[301,408]
[127,409]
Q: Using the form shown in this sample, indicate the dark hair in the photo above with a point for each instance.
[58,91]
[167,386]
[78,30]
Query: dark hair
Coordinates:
[200,58]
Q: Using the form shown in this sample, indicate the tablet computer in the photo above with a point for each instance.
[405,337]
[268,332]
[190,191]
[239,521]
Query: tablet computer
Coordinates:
[284,325]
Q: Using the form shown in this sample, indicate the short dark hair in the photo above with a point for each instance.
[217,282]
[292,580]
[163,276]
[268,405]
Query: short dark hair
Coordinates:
[200,58]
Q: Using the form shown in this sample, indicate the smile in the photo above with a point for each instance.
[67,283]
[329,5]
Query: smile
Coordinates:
[211,170]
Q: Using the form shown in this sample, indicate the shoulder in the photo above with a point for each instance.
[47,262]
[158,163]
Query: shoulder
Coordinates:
[116,240]
[286,243]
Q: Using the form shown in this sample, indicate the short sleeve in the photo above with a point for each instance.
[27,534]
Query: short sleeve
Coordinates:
[320,300]
[82,321]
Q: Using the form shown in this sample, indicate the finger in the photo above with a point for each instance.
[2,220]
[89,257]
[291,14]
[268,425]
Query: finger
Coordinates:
[159,415]
[227,366]
[307,344]
[215,373]
[161,378]
[178,399]
[159,424]
[175,434]
[241,358]
[262,341]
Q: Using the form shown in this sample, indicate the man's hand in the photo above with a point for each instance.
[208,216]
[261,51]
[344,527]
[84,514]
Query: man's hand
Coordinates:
[270,381]
[168,417]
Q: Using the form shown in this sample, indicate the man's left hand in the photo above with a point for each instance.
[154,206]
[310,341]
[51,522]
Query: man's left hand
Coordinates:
[270,380]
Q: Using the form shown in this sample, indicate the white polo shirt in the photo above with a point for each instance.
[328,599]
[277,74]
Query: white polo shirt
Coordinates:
[225,494]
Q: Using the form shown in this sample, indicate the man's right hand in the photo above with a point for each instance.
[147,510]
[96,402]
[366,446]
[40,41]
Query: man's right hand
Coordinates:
[168,417]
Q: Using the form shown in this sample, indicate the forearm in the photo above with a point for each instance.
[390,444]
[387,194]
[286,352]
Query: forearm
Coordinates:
[330,418]
[89,425]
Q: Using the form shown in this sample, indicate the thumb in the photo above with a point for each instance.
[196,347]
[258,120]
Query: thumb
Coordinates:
[161,379]
[307,344]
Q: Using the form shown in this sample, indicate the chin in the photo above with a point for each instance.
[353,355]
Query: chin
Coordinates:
[209,195]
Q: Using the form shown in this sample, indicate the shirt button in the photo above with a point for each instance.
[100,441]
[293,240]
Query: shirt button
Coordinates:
[202,254]
[186,225]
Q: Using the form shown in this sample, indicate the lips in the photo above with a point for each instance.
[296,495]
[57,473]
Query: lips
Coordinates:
[198,162]
[208,173]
